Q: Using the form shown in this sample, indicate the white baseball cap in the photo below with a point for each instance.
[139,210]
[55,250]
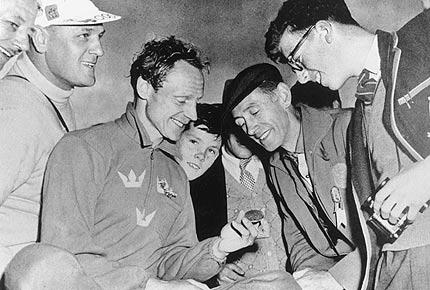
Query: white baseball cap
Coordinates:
[71,12]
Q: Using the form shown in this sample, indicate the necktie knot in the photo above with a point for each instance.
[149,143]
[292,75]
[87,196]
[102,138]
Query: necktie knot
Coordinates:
[366,87]
[243,163]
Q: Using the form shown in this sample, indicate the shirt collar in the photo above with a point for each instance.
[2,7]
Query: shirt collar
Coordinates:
[231,164]
[26,68]
[373,60]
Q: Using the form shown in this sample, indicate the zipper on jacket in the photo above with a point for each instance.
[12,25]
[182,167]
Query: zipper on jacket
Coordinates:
[151,168]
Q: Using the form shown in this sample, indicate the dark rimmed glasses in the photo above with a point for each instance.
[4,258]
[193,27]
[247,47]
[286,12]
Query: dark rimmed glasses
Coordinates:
[295,63]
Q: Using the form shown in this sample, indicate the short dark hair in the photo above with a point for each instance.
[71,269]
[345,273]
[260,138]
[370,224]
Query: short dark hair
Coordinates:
[159,56]
[210,116]
[298,15]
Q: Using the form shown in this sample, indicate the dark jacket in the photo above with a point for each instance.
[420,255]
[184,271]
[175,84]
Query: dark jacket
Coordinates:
[208,193]
[405,65]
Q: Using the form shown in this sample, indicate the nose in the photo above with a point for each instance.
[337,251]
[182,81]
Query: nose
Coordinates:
[306,75]
[97,48]
[251,126]
[190,110]
[200,156]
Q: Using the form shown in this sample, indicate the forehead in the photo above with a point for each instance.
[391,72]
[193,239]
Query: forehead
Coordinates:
[256,98]
[185,80]
[68,30]
[288,41]
[25,10]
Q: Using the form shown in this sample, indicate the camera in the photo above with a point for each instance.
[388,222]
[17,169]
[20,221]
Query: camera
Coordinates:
[382,227]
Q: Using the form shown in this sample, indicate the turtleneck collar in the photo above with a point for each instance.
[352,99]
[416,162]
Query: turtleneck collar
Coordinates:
[26,68]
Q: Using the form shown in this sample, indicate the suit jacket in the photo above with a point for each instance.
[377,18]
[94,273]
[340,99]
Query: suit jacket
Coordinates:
[311,235]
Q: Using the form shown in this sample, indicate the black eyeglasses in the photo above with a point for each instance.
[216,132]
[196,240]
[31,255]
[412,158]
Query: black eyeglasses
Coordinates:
[296,64]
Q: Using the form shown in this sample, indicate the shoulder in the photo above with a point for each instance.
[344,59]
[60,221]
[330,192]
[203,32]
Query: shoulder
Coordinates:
[97,138]
[15,91]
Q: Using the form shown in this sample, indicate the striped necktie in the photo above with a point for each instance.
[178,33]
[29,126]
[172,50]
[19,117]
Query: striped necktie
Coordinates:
[366,87]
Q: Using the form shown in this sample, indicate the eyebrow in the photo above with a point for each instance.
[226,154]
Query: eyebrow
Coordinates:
[89,29]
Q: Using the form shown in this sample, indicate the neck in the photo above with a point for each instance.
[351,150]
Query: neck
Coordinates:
[359,39]
[39,61]
[292,140]
[151,130]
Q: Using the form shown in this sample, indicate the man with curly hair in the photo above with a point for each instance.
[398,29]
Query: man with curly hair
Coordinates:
[115,197]
[390,135]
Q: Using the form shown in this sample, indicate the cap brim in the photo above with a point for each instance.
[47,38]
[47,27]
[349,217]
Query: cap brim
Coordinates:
[100,18]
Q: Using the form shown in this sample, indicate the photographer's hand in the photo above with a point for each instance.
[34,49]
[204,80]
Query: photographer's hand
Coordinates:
[407,192]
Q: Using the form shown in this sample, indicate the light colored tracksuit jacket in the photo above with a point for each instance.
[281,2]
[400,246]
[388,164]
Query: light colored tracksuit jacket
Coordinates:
[123,207]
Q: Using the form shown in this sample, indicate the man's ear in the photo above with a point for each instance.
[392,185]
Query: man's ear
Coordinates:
[325,30]
[144,89]
[39,39]
[284,94]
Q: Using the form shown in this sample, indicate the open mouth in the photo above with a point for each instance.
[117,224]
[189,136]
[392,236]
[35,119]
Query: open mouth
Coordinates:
[178,123]
[89,64]
[193,165]
[5,52]
[264,135]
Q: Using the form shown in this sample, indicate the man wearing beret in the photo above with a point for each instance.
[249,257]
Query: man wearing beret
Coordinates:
[307,174]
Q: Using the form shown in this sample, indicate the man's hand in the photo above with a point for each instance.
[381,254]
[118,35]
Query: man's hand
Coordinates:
[231,273]
[407,192]
[313,280]
[156,284]
[237,235]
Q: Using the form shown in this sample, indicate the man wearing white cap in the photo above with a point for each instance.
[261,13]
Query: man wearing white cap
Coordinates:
[16,19]
[35,110]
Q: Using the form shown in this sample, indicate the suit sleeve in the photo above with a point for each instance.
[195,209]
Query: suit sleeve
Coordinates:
[74,177]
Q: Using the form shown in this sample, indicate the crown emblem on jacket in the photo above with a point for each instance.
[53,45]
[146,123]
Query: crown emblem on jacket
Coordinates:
[142,219]
[132,181]
[164,188]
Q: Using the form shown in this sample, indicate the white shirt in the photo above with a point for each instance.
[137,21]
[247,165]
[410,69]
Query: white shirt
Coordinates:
[231,164]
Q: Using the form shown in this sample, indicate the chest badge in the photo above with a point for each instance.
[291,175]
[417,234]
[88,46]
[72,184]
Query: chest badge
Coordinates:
[142,219]
[164,188]
[132,181]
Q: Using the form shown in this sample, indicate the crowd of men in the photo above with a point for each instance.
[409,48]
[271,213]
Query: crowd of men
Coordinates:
[261,191]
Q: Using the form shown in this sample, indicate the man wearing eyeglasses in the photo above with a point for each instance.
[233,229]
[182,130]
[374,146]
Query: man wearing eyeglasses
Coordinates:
[390,132]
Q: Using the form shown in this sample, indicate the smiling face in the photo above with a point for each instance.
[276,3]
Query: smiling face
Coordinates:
[263,118]
[318,55]
[198,150]
[16,19]
[72,53]
[173,105]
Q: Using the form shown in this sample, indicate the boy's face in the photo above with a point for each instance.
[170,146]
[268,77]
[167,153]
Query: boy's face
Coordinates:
[198,150]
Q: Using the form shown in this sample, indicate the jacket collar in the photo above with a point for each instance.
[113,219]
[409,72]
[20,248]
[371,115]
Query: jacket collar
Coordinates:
[26,68]
[385,45]
[130,123]
[313,120]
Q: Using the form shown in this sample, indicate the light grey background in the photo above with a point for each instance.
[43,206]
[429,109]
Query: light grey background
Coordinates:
[229,32]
